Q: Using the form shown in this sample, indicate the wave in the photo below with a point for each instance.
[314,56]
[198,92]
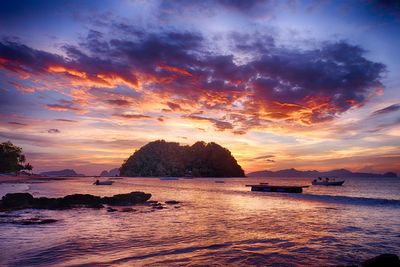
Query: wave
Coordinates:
[348,200]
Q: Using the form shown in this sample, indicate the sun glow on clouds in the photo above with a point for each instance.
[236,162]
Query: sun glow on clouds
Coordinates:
[119,85]
[82,79]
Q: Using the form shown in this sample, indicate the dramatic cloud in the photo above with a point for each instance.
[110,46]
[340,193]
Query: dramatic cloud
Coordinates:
[65,120]
[389,109]
[386,7]
[118,102]
[175,106]
[64,105]
[265,157]
[53,131]
[219,124]
[275,84]
[132,116]
[17,123]
[80,68]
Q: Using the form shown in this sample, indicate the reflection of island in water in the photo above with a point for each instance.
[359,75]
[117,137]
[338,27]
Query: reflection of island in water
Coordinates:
[160,158]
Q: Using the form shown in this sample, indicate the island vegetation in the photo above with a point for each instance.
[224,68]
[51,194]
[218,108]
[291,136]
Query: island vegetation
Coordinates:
[12,159]
[161,158]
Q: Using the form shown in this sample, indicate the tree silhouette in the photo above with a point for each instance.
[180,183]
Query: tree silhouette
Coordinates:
[12,159]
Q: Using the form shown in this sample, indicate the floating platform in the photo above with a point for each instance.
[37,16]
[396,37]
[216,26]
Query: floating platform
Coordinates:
[276,188]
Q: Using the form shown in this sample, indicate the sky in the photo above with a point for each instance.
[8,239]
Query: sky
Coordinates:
[312,85]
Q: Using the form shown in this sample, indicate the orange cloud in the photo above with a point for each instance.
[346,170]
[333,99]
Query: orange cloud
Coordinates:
[177,70]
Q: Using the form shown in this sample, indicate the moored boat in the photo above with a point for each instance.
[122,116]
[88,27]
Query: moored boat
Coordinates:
[327,181]
[276,188]
[103,182]
[333,183]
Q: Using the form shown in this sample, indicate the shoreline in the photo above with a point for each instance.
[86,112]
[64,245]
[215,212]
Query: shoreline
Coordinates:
[25,178]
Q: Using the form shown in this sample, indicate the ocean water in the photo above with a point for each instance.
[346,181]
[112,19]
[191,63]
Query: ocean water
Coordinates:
[216,224]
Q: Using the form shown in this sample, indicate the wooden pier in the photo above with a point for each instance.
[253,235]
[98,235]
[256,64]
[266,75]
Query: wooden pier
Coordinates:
[276,188]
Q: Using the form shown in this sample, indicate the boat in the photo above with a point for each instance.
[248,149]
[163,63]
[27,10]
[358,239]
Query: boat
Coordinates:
[167,178]
[103,182]
[327,181]
[333,183]
[263,187]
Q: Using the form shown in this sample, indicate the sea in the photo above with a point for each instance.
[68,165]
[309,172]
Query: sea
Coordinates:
[215,224]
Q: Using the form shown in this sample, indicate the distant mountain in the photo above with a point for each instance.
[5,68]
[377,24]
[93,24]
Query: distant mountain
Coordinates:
[296,173]
[113,172]
[66,172]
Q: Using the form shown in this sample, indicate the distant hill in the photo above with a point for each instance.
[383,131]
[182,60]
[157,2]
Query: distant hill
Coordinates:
[66,172]
[161,158]
[113,172]
[296,173]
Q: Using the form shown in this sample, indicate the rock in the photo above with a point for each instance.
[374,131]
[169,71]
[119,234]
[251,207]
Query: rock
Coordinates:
[81,199]
[387,260]
[25,200]
[49,203]
[172,202]
[20,200]
[111,210]
[127,210]
[158,207]
[127,199]
[29,221]
[35,221]
[95,206]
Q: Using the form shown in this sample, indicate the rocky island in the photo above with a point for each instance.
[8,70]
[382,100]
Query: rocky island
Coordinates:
[161,158]
[17,201]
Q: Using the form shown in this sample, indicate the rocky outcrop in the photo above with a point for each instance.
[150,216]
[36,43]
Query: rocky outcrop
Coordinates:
[387,260]
[34,221]
[126,199]
[172,202]
[170,159]
[111,173]
[17,201]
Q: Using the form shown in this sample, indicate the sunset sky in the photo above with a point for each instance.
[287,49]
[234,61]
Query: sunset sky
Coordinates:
[281,84]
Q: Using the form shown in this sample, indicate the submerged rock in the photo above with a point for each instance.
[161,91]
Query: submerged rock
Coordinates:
[126,199]
[27,221]
[128,210]
[81,199]
[16,201]
[35,221]
[111,210]
[172,202]
[387,260]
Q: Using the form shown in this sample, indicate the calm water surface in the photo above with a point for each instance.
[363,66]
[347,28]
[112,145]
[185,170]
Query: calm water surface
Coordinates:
[218,224]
